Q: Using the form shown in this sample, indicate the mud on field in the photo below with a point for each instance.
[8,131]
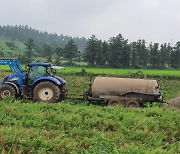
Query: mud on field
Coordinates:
[175,103]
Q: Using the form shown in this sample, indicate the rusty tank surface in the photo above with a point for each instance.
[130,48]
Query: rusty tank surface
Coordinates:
[124,90]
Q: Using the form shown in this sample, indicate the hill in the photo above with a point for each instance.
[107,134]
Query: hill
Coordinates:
[22,33]
[11,48]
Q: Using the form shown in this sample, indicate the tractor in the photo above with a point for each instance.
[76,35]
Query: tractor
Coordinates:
[38,82]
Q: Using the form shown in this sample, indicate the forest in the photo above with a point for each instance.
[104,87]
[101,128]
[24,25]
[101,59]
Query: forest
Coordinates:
[117,52]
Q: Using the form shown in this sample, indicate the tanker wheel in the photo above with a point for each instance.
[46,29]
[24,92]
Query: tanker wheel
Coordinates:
[46,92]
[115,103]
[132,104]
[7,91]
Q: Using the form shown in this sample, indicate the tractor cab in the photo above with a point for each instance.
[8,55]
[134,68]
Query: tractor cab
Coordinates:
[42,70]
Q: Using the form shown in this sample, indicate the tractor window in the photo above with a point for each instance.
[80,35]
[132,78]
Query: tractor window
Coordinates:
[36,71]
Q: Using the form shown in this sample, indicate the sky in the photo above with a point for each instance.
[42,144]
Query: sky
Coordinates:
[152,20]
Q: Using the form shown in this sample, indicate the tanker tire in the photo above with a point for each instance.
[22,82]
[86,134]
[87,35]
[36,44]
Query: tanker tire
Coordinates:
[46,92]
[7,91]
[132,104]
[115,103]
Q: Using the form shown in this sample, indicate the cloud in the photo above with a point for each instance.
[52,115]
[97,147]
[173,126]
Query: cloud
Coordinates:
[152,20]
[151,4]
[178,16]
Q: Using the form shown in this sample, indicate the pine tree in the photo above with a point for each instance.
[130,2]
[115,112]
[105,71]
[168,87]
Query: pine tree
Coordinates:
[91,50]
[48,52]
[70,51]
[30,46]
[59,53]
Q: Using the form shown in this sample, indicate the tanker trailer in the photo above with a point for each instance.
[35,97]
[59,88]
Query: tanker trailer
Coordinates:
[125,91]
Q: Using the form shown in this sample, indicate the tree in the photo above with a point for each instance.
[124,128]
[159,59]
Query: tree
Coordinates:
[165,50]
[154,55]
[91,50]
[70,51]
[30,46]
[142,54]
[59,53]
[104,57]
[175,56]
[48,52]
[134,55]
[119,52]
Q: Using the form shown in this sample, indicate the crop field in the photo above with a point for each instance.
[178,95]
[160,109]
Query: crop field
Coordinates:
[88,127]
[114,71]
[118,71]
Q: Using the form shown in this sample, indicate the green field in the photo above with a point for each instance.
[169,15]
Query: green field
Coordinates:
[84,127]
[117,71]
[74,127]
[123,71]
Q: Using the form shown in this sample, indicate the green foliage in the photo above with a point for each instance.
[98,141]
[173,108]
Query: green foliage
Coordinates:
[11,48]
[66,127]
[175,56]
[22,33]
[117,52]
[59,53]
[28,57]
[48,52]
[70,51]
[81,127]
[166,73]
[92,51]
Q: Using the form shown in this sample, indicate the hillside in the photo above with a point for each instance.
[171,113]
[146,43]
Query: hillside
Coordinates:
[11,48]
[23,33]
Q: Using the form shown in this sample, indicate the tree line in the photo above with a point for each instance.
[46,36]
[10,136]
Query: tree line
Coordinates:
[118,52]
[69,52]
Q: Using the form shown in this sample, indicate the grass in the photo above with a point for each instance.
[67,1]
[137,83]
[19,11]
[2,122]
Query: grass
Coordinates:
[70,127]
[81,127]
[118,71]
[19,48]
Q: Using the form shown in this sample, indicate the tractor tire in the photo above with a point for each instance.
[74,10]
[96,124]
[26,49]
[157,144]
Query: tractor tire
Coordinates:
[132,104]
[7,91]
[46,92]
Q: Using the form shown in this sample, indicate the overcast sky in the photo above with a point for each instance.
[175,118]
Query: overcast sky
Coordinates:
[152,20]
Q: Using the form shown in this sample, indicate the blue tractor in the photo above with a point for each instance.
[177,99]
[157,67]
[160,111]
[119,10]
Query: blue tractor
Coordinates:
[37,82]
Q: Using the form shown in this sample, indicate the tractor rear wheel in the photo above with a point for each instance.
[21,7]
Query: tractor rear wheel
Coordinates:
[46,92]
[7,91]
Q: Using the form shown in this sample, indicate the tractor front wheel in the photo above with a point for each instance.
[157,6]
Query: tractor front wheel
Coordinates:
[7,91]
[46,92]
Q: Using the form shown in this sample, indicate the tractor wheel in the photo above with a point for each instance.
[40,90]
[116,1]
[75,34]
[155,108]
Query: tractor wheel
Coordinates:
[46,92]
[7,91]
[132,104]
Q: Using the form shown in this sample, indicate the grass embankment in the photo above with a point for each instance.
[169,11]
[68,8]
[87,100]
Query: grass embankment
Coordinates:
[69,127]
